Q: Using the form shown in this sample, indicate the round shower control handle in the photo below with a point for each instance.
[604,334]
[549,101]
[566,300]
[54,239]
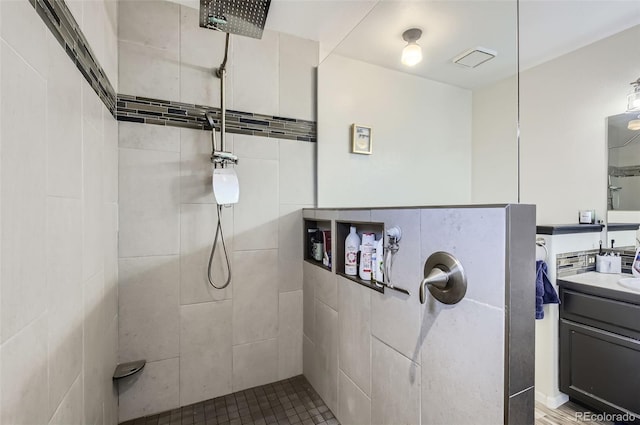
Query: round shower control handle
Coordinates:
[445,278]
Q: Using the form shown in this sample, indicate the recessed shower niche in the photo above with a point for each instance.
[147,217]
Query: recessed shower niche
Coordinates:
[318,243]
[342,231]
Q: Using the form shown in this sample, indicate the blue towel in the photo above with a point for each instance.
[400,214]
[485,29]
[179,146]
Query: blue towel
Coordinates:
[545,292]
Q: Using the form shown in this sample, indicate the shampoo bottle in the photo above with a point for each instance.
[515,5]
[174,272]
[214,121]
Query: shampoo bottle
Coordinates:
[366,249]
[351,245]
[379,261]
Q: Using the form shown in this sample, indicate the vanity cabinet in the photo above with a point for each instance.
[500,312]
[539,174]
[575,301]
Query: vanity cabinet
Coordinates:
[600,347]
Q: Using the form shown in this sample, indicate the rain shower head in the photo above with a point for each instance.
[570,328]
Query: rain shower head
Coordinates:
[241,17]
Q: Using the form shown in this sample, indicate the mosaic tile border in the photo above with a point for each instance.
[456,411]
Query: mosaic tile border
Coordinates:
[578,262]
[145,110]
[60,21]
[58,18]
[570,263]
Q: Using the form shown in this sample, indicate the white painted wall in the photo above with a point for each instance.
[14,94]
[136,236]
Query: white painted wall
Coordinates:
[58,150]
[563,163]
[563,108]
[421,138]
[495,143]
[547,331]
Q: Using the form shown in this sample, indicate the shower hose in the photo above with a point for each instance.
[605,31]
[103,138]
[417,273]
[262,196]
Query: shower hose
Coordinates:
[213,251]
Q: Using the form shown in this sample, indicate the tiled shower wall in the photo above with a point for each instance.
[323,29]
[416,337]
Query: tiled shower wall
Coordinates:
[387,359]
[200,342]
[58,149]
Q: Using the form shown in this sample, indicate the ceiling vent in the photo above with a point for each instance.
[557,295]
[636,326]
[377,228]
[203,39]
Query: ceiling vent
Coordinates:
[474,57]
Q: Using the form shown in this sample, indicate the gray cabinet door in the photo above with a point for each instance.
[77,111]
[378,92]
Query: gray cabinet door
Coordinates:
[600,368]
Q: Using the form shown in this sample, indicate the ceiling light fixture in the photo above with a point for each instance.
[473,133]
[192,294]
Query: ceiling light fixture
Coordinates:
[412,52]
[633,99]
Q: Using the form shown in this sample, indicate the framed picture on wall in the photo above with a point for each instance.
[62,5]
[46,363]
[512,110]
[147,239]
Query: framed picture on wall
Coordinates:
[361,141]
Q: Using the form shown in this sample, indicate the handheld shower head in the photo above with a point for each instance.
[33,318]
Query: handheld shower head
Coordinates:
[210,120]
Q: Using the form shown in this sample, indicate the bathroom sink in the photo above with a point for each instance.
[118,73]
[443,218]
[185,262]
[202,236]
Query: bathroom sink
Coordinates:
[632,283]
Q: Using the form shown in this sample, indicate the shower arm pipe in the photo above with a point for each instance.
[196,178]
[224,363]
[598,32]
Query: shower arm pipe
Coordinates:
[221,73]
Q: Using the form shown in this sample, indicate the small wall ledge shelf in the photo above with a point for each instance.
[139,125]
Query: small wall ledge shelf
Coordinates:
[124,370]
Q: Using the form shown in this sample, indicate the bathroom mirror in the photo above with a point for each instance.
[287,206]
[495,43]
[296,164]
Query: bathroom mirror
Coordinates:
[623,181]
[442,133]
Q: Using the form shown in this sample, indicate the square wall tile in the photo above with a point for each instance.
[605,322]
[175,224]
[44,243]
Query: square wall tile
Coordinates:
[64,125]
[321,214]
[255,217]
[92,107]
[205,351]
[290,247]
[75,7]
[23,188]
[23,382]
[69,412]
[93,19]
[201,53]
[309,365]
[149,205]
[308,301]
[195,167]
[325,285]
[522,408]
[255,364]
[110,261]
[395,386]
[110,158]
[157,26]
[297,172]
[354,215]
[64,295]
[92,202]
[155,389]
[326,355]
[134,78]
[256,75]
[298,63]
[94,352]
[148,136]
[354,407]
[256,147]
[109,363]
[403,332]
[255,296]
[477,238]
[290,334]
[354,328]
[149,317]
[197,232]
[17,19]
[472,384]
[110,60]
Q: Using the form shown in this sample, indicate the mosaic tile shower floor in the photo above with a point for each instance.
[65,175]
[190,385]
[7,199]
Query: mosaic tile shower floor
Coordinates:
[288,402]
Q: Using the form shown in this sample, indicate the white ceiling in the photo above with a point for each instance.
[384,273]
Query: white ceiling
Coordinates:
[371,30]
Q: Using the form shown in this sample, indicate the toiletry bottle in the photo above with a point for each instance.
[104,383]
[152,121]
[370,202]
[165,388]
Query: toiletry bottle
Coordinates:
[379,260]
[374,261]
[351,245]
[635,268]
[367,247]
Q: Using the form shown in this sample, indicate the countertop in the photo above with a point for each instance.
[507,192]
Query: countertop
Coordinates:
[605,281]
